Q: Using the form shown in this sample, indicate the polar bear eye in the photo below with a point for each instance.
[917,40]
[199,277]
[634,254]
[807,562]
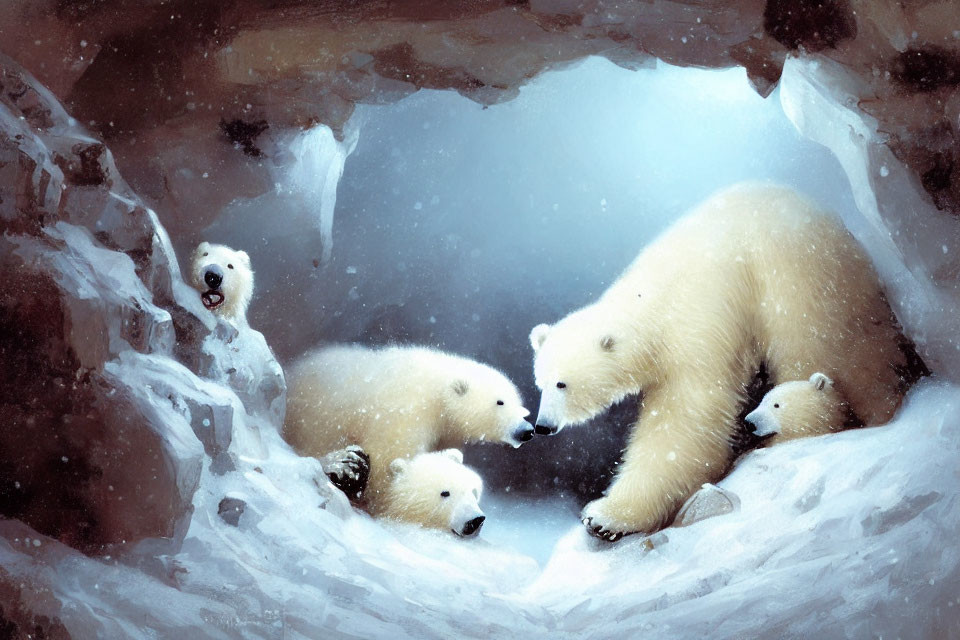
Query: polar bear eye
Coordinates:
[776,405]
[444,494]
[500,403]
[206,254]
[561,385]
[229,266]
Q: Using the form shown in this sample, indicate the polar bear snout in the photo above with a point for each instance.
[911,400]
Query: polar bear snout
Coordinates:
[472,527]
[213,276]
[763,423]
[524,432]
[546,423]
[545,430]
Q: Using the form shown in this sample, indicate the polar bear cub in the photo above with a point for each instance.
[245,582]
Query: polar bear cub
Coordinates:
[434,490]
[224,279]
[801,408]
[397,402]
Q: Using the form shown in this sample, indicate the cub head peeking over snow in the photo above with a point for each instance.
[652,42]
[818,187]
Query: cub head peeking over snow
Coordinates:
[224,279]
[397,402]
[434,490]
[801,408]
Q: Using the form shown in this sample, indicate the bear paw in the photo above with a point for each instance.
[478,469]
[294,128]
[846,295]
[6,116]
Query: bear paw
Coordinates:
[601,525]
[348,470]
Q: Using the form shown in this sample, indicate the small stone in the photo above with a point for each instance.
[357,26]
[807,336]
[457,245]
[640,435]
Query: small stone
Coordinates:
[230,510]
[708,502]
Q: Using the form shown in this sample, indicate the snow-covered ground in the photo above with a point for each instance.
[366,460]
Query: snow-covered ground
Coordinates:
[528,524]
[847,535]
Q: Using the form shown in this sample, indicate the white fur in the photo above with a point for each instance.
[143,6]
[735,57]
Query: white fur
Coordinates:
[396,402]
[416,487]
[756,274]
[237,285]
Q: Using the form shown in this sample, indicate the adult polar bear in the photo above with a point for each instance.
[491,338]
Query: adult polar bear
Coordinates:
[756,275]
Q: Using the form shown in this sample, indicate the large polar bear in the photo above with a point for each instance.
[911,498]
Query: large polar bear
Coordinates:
[756,275]
[396,402]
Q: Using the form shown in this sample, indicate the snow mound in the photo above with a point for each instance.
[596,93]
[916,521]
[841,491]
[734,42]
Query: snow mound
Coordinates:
[834,536]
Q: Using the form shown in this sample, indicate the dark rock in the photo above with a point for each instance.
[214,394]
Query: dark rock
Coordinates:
[243,135]
[927,68]
[940,176]
[400,62]
[811,24]
[230,510]
[85,167]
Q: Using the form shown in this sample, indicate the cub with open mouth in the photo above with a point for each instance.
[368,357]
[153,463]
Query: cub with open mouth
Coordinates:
[224,279]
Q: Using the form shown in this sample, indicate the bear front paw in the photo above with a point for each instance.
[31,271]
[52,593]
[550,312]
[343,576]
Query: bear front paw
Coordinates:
[600,524]
[348,470]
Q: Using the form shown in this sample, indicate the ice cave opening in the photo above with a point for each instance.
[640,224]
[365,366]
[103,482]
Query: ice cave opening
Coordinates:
[461,227]
[431,181]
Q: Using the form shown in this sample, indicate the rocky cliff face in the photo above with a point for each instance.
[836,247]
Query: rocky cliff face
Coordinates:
[206,86]
[116,380]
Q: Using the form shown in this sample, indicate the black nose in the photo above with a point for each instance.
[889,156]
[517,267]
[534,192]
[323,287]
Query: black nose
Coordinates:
[524,433]
[543,430]
[473,526]
[213,276]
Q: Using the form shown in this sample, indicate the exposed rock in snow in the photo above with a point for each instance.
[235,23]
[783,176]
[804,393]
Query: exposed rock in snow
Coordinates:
[104,432]
[709,502]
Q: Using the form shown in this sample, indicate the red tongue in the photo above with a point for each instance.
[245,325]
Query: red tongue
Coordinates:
[212,299]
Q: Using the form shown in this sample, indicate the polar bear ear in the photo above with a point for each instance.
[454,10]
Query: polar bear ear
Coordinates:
[454,454]
[460,387]
[244,257]
[607,343]
[537,335]
[398,466]
[819,381]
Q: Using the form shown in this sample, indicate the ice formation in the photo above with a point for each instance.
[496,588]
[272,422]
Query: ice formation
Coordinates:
[146,492]
[899,226]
